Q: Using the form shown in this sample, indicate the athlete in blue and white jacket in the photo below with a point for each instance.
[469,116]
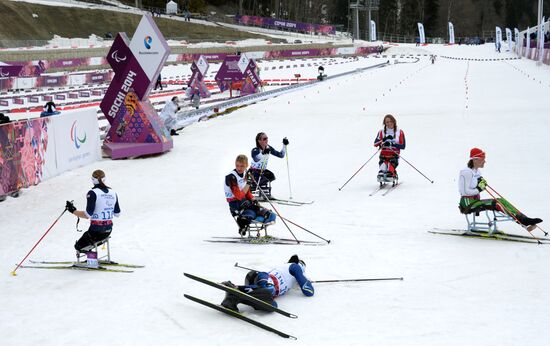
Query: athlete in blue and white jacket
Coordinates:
[269,285]
[101,206]
[260,156]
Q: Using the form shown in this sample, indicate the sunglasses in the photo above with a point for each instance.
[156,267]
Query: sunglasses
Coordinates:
[263,139]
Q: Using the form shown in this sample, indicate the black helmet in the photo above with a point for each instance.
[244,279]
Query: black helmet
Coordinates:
[251,277]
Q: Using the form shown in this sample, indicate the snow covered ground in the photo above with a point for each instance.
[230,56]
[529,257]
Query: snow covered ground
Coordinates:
[456,291]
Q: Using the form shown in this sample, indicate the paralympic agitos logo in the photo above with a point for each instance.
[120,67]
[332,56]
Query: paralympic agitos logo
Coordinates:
[74,137]
[116,57]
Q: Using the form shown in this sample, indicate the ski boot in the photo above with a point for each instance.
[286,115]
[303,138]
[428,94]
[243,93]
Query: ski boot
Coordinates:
[230,301]
[91,259]
[529,223]
[244,225]
[263,294]
[385,177]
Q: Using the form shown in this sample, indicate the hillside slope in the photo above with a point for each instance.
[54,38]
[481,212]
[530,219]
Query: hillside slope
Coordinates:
[18,23]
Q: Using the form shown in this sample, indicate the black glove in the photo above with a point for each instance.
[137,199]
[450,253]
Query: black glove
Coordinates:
[266,150]
[246,205]
[387,143]
[387,138]
[69,206]
[285,141]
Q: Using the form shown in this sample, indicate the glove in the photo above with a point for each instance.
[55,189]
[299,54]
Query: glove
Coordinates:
[481,184]
[387,138]
[285,141]
[246,289]
[246,205]
[229,284]
[266,150]
[255,202]
[69,206]
[387,143]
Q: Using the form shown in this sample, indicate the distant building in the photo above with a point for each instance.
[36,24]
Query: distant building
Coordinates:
[171,7]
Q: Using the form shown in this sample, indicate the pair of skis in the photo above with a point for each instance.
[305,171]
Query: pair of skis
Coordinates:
[387,189]
[263,240]
[493,236]
[104,266]
[236,314]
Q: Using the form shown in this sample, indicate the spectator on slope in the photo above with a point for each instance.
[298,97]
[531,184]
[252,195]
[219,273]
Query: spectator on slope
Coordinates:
[158,84]
[168,115]
[242,204]
[260,156]
[49,109]
[471,184]
[4,119]
[196,98]
[266,286]
[391,140]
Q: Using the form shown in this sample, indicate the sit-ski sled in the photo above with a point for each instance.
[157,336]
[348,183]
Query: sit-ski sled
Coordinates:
[489,229]
[105,264]
[256,233]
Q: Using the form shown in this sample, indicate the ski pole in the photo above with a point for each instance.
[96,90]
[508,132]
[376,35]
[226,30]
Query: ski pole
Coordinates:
[354,280]
[329,281]
[264,164]
[509,212]
[360,168]
[498,194]
[410,164]
[275,209]
[38,242]
[305,229]
[246,268]
[288,173]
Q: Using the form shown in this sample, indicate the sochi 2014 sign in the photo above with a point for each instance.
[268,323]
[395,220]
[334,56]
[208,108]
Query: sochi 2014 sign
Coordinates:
[196,82]
[241,70]
[136,65]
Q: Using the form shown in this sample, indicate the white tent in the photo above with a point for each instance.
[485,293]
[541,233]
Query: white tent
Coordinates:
[171,7]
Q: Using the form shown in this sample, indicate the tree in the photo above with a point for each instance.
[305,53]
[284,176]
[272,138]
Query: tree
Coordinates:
[197,5]
[430,17]
[408,17]
[387,14]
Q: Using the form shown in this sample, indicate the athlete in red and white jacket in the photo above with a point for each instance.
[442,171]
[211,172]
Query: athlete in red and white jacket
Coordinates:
[391,140]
